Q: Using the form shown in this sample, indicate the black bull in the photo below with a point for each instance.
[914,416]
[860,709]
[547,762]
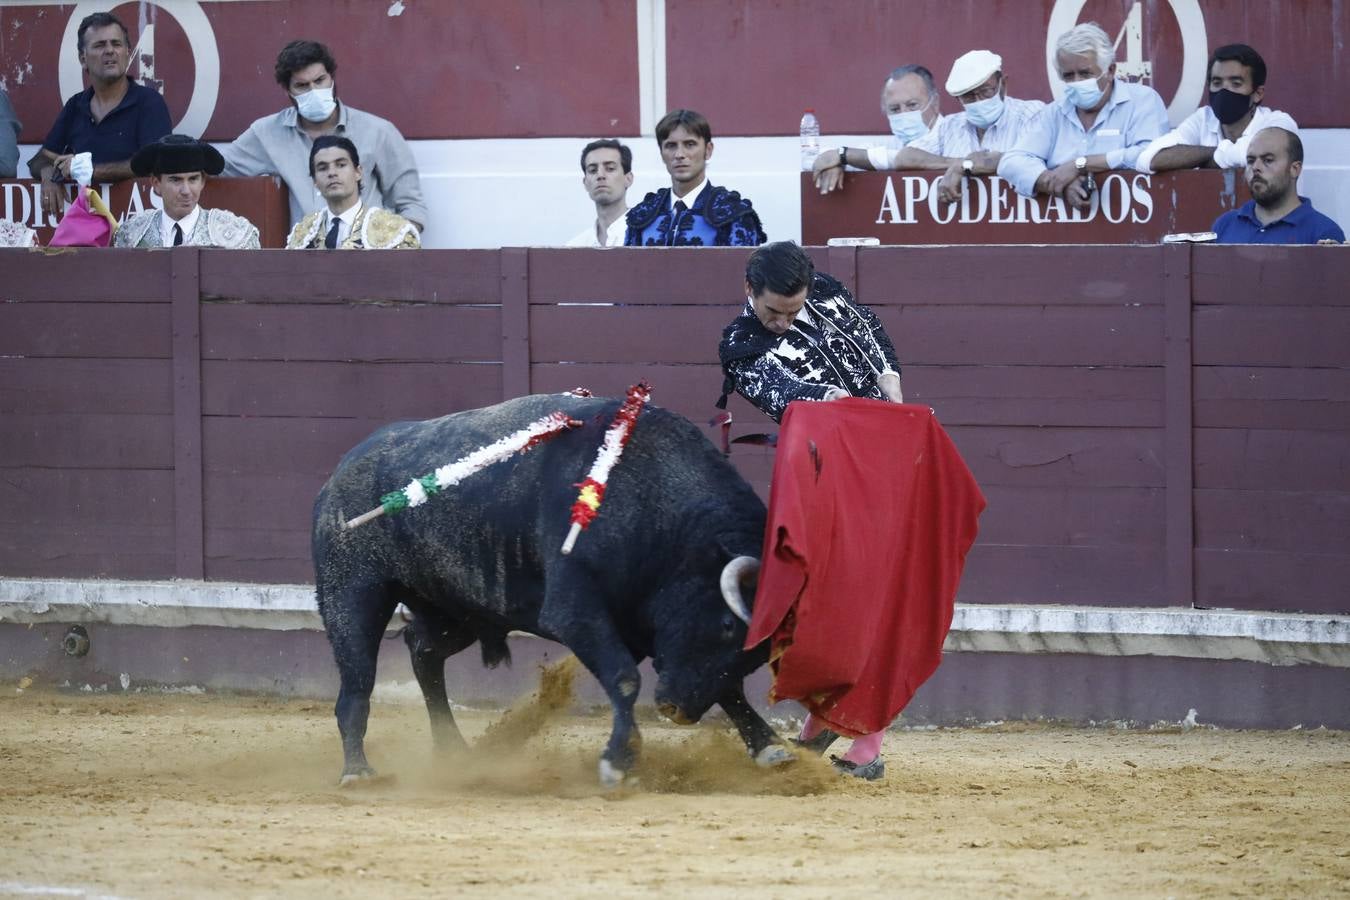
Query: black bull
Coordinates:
[658,573]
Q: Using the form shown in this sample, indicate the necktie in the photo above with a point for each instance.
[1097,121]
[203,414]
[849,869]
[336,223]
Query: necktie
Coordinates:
[679,207]
[177,235]
[331,240]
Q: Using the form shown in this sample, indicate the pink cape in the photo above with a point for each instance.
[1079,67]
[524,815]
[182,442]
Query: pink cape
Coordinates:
[871,514]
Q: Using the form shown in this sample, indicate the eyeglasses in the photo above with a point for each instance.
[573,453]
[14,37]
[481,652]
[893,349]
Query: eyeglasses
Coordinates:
[983,92]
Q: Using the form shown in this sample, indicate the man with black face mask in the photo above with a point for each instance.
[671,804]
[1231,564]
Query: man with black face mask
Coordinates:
[1216,136]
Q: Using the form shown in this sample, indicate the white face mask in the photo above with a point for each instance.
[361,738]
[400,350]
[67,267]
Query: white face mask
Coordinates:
[1084,94]
[908,126]
[316,104]
[983,113]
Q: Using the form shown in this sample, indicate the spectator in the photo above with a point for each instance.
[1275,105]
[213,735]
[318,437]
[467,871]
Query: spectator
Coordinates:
[9,138]
[691,212]
[607,174]
[1217,135]
[1101,123]
[111,119]
[346,222]
[909,100]
[972,141]
[178,166]
[1276,214]
[280,144]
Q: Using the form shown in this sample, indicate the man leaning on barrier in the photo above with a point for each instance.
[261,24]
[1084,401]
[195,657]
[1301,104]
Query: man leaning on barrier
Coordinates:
[909,100]
[974,140]
[1100,124]
[1216,135]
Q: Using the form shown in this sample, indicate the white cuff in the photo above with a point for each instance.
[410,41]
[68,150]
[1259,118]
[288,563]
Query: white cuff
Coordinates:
[1226,155]
[879,157]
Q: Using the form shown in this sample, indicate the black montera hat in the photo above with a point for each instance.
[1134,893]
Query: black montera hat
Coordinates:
[177,153]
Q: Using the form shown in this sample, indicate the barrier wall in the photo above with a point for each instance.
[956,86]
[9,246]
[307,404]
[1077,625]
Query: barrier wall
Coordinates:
[1152,425]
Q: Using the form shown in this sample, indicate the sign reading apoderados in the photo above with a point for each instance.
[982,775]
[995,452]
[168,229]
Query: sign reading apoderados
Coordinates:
[1126,208]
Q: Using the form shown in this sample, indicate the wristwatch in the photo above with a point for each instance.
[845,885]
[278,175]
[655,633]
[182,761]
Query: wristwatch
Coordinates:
[1081,163]
[843,156]
[967,166]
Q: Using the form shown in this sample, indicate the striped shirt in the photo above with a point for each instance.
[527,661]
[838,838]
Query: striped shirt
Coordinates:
[956,138]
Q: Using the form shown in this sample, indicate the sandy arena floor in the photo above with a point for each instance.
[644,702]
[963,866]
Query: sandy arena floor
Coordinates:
[151,795]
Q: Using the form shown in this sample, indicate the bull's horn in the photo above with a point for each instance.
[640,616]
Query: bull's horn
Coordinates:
[733,573]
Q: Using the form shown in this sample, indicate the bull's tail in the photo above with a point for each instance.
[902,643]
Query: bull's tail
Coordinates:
[493,644]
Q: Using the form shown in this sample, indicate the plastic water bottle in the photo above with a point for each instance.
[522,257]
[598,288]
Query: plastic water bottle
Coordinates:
[810,132]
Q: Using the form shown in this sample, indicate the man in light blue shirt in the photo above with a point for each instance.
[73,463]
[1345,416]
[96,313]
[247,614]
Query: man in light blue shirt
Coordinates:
[1099,125]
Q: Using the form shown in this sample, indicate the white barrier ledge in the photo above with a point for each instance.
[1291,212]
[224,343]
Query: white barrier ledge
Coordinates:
[1269,637]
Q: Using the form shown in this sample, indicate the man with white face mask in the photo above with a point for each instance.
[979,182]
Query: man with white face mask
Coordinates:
[972,141]
[909,100]
[1099,125]
[279,144]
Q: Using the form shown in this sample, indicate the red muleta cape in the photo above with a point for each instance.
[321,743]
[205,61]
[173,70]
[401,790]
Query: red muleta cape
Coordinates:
[871,514]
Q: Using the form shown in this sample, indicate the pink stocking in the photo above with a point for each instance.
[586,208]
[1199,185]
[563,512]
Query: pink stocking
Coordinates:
[866,748]
[811,727]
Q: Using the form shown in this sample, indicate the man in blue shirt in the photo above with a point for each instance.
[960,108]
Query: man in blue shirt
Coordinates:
[1276,214]
[691,212]
[1099,125]
[111,119]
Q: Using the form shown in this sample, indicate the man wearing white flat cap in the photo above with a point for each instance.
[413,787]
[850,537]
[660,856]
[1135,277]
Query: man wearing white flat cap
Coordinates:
[972,141]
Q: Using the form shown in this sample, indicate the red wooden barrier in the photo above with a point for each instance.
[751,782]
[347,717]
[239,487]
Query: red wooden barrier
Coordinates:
[1152,425]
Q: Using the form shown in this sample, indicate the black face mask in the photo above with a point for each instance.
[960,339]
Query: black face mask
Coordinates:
[1229,106]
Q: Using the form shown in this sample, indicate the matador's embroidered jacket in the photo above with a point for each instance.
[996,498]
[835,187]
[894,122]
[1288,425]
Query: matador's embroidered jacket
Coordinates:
[373,229]
[214,228]
[843,345]
[719,218]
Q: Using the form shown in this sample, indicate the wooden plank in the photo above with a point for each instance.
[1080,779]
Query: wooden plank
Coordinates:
[1308,337]
[111,549]
[1062,457]
[674,276]
[187,414]
[629,334]
[134,386]
[926,335]
[279,276]
[1092,576]
[1078,396]
[280,570]
[1072,517]
[350,390]
[1038,336]
[1269,275]
[367,332]
[90,275]
[516,346]
[1179,405]
[86,440]
[1011,276]
[1275,398]
[85,497]
[267,502]
[842,263]
[99,330]
[279,446]
[1309,522]
[1268,459]
[1279,582]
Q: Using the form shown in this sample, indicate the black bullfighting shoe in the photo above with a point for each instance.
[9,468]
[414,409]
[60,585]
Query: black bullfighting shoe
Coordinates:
[871,771]
[818,744]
